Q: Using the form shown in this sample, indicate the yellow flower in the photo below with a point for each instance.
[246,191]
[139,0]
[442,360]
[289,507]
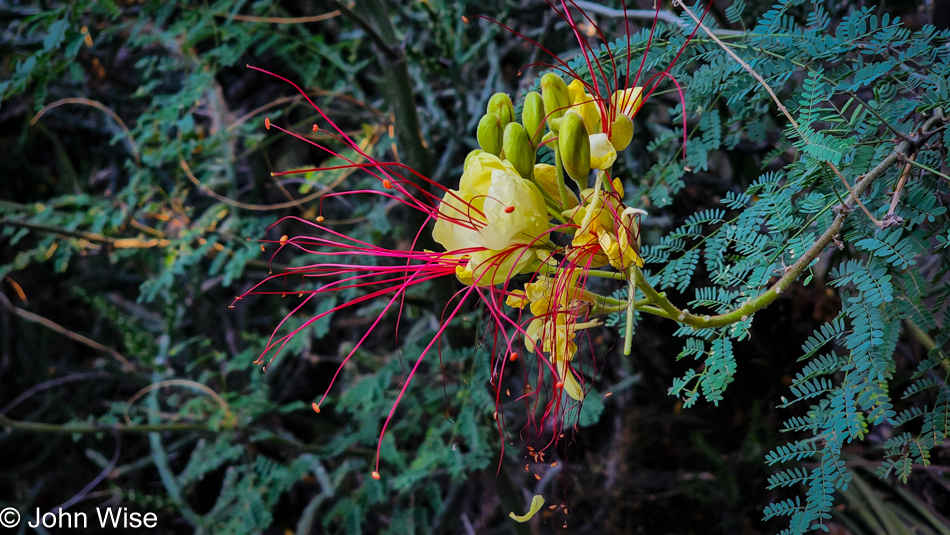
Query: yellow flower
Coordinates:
[585,105]
[495,209]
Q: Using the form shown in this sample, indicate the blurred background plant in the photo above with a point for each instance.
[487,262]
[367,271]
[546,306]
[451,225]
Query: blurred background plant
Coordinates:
[137,168]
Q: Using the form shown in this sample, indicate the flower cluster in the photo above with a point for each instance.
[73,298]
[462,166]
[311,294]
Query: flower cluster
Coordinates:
[522,239]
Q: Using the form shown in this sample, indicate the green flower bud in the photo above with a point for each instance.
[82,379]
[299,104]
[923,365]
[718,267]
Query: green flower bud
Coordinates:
[533,117]
[555,96]
[490,134]
[621,132]
[518,149]
[500,104]
[573,143]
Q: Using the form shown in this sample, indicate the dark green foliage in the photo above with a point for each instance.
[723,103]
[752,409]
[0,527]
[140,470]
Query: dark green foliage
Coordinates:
[109,235]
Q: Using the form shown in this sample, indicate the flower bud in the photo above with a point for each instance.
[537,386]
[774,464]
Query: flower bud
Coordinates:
[518,149]
[500,104]
[533,117]
[546,177]
[621,132]
[574,146]
[555,96]
[490,134]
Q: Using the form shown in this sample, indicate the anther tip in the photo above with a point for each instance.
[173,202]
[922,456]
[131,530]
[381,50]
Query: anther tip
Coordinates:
[559,385]
[465,19]
[376,475]
[316,408]
[509,209]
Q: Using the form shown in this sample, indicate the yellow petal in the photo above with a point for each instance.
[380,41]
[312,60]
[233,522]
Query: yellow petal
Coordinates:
[602,153]
[571,387]
[627,101]
[517,299]
[536,504]
[546,176]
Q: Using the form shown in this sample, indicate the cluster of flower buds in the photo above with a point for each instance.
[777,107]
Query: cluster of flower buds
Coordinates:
[525,209]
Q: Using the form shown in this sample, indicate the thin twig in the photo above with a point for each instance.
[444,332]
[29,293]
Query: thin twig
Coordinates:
[279,20]
[94,104]
[282,205]
[854,196]
[39,387]
[895,200]
[53,326]
[741,62]
[642,14]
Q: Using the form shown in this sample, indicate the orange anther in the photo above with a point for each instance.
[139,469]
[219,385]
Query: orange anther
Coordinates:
[509,209]
[513,357]
[536,476]
[319,219]
[315,127]
[316,408]
[559,385]
[262,247]
[464,19]
[267,123]
[553,464]
[376,475]
[283,239]
[387,184]
[495,415]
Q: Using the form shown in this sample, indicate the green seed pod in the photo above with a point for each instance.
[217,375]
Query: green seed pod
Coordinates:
[500,104]
[490,134]
[573,143]
[621,132]
[533,117]
[518,149]
[555,96]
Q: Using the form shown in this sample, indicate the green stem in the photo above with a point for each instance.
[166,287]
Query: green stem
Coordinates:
[631,309]
[561,185]
[927,168]
[928,343]
[904,149]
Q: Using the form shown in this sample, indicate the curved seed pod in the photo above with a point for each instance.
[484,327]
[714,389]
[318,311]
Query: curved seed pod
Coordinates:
[555,96]
[621,132]
[490,134]
[573,143]
[518,149]
[500,104]
[533,117]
